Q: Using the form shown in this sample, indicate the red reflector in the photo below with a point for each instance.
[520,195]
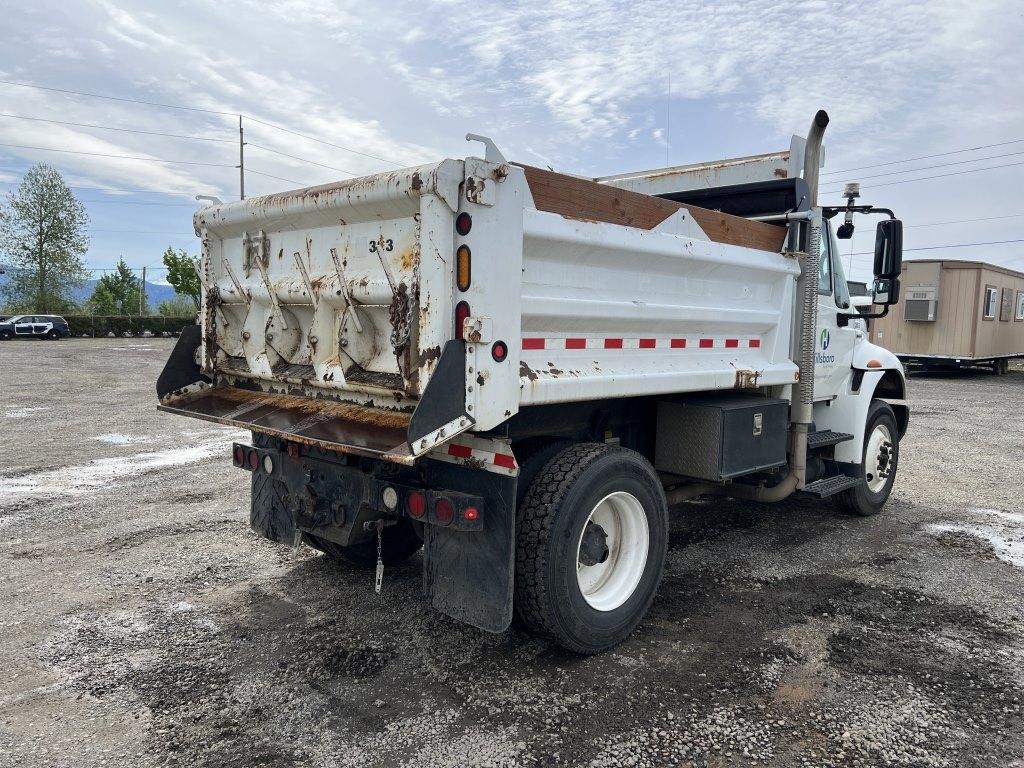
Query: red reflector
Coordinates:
[499,351]
[754,343]
[459,451]
[444,511]
[575,343]
[613,343]
[254,460]
[732,343]
[504,460]
[416,503]
[647,343]
[463,223]
[461,313]
[678,343]
[707,343]
[239,456]
[471,513]
[533,343]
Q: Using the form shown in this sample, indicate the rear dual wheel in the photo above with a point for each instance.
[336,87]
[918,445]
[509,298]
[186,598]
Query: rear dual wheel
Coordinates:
[592,536]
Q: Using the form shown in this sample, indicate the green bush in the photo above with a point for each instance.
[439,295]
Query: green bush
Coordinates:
[123,325]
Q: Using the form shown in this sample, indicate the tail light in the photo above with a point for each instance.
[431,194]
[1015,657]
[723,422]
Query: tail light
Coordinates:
[471,514]
[499,351]
[254,460]
[461,313]
[239,456]
[463,223]
[444,511]
[416,503]
[463,267]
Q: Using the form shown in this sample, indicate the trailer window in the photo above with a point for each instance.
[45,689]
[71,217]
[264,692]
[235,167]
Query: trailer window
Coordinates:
[991,301]
[1006,306]
[1019,313]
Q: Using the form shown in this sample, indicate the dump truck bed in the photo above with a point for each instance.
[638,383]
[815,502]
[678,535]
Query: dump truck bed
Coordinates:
[346,296]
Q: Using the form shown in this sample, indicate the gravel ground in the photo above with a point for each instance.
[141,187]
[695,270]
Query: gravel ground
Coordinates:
[144,624]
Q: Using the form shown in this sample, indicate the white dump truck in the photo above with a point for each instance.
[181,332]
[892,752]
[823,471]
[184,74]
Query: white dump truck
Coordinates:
[521,371]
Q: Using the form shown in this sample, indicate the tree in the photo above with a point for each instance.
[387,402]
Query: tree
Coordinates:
[117,293]
[179,306]
[43,234]
[182,274]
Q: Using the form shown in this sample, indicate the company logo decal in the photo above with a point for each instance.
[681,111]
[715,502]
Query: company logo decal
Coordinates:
[824,339]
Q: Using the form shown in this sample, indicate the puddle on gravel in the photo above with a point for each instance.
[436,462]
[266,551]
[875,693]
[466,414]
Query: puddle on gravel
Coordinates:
[23,412]
[1002,532]
[118,438]
[100,473]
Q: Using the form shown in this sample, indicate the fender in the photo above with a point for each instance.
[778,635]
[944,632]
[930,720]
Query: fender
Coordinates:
[875,373]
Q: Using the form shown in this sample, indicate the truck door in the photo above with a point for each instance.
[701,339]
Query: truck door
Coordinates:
[834,344]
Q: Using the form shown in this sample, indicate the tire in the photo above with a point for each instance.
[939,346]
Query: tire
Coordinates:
[5,335]
[865,500]
[589,611]
[532,454]
[399,542]
[53,335]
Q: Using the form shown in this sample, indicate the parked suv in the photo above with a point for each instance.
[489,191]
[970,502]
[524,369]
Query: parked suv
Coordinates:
[34,326]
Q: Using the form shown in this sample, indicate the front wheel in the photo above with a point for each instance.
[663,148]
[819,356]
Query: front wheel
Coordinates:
[5,335]
[591,542]
[878,464]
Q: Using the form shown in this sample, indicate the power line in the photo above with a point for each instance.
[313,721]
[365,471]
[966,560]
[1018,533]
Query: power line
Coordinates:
[322,141]
[950,245]
[116,128]
[925,178]
[207,111]
[117,98]
[121,157]
[941,165]
[140,202]
[279,178]
[141,232]
[925,157]
[301,159]
[964,221]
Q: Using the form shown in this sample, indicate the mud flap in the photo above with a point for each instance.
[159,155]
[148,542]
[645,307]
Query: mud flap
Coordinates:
[181,370]
[468,575]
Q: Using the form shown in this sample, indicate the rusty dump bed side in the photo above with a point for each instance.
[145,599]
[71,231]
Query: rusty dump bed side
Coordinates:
[334,426]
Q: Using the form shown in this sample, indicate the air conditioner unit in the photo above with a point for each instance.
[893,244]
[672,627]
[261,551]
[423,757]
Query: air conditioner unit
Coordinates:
[921,303]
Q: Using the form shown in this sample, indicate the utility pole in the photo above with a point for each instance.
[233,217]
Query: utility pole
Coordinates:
[241,160]
[142,292]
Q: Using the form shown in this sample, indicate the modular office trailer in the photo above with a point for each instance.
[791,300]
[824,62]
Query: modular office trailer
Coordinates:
[956,313]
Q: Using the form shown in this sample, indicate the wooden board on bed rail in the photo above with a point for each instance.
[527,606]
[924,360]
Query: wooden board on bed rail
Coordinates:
[578,198]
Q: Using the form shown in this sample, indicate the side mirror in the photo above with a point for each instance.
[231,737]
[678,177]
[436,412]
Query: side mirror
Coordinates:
[886,290]
[888,249]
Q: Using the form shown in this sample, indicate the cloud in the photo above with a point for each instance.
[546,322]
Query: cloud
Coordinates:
[580,85]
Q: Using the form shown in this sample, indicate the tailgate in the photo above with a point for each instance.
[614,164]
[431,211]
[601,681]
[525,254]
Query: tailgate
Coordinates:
[328,290]
[334,426]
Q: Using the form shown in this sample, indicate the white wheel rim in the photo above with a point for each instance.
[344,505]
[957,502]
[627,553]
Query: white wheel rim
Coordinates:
[879,458]
[607,585]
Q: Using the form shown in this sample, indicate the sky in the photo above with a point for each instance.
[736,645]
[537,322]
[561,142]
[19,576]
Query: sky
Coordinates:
[591,88]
